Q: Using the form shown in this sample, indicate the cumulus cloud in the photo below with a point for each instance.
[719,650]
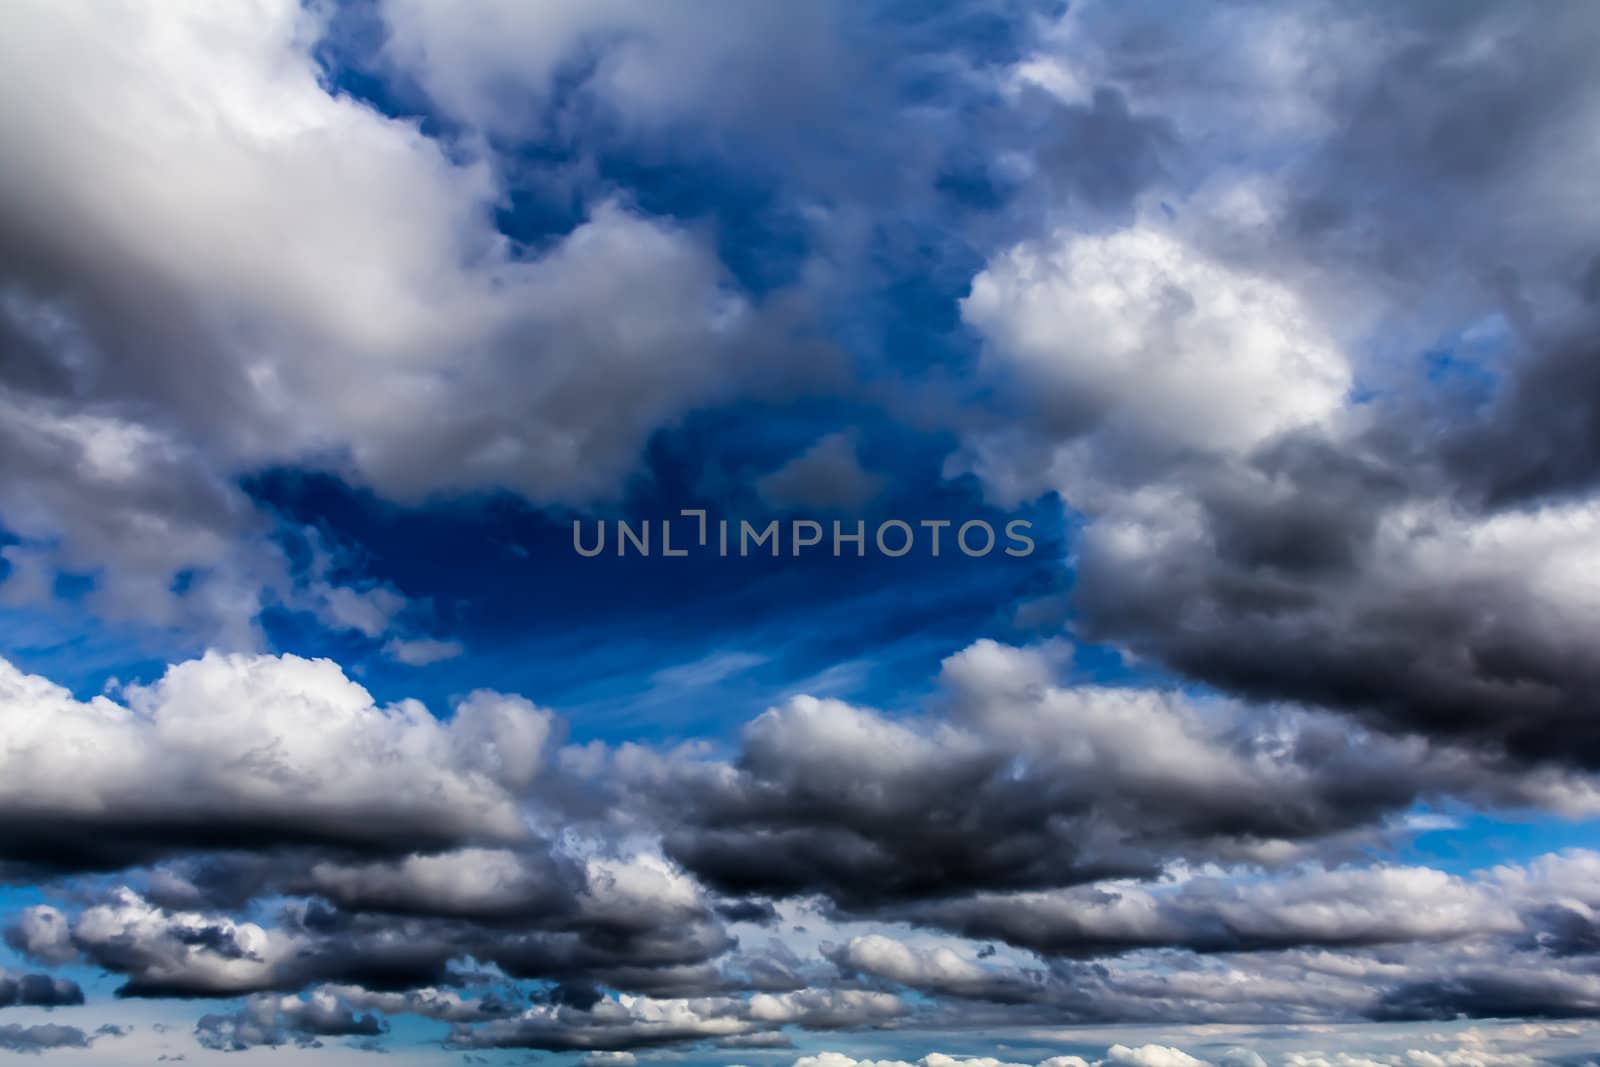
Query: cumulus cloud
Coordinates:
[235,750]
[266,1020]
[42,933]
[631,924]
[1301,422]
[1292,306]
[1101,828]
[610,1059]
[1148,347]
[278,274]
[1162,856]
[1029,783]
[47,1036]
[1410,944]
[37,991]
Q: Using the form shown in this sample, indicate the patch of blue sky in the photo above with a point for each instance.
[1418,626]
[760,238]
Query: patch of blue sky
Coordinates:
[1461,841]
[504,579]
[74,647]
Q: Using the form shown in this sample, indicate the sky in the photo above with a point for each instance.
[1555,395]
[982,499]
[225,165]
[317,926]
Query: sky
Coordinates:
[989,533]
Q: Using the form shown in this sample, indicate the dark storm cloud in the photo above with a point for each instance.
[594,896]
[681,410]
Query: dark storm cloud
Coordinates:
[43,848]
[978,817]
[1314,590]
[1031,785]
[638,927]
[1564,930]
[1494,994]
[1464,108]
[1540,438]
[37,991]
[748,911]
[1379,554]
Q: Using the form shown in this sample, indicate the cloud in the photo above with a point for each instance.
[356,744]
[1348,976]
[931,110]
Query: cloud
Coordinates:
[627,1023]
[632,923]
[1149,347]
[1028,783]
[625,317]
[445,1005]
[708,671]
[1471,1049]
[610,1059]
[1329,448]
[828,474]
[48,1036]
[369,612]
[1493,944]
[276,274]
[940,1059]
[1368,906]
[264,750]
[42,933]
[422,652]
[1162,855]
[1293,307]
[37,991]
[645,66]
[272,1021]
[480,883]
[1150,1056]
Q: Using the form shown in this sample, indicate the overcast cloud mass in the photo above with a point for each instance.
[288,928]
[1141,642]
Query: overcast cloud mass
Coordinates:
[1277,325]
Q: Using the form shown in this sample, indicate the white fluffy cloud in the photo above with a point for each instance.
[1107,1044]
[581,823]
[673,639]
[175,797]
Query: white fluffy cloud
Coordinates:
[350,289]
[263,741]
[215,263]
[1145,340]
[187,951]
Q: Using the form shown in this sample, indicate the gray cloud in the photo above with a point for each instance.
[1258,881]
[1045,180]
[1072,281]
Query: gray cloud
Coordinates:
[1163,855]
[826,475]
[37,991]
[1192,381]
[47,1036]
[1029,784]
[272,1021]
[1294,307]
